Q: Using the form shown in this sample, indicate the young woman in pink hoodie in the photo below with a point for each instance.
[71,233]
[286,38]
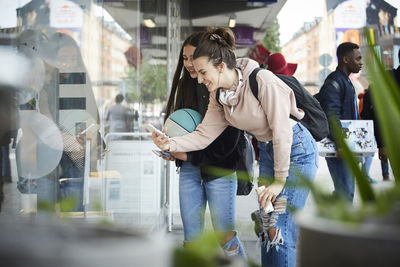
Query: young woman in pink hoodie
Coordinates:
[291,149]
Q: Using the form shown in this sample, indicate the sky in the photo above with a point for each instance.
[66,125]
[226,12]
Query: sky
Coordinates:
[293,15]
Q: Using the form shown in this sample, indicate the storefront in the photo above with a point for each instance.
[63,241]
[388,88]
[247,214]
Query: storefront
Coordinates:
[77,56]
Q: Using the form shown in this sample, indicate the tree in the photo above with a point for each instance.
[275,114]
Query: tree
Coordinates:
[271,39]
[149,85]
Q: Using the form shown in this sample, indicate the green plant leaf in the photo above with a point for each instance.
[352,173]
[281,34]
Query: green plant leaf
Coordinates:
[386,99]
[202,252]
[68,204]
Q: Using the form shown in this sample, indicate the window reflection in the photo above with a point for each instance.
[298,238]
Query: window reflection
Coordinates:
[79,60]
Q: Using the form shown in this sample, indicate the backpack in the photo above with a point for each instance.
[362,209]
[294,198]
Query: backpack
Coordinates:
[314,118]
[245,169]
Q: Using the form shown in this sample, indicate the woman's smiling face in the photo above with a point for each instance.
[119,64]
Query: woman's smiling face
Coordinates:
[188,51]
[207,73]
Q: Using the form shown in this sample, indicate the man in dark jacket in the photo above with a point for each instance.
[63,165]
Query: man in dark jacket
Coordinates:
[337,97]
[368,113]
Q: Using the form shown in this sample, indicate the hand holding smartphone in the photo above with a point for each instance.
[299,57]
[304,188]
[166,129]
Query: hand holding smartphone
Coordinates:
[149,127]
[159,135]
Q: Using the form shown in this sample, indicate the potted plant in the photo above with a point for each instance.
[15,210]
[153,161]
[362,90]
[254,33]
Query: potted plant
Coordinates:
[339,234]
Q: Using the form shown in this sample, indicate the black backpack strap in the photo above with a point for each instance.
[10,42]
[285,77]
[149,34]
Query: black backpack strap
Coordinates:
[253,81]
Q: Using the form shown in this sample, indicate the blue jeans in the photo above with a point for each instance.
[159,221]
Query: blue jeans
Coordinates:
[367,162]
[280,230]
[343,181]
[385,168]
[220,195]
[73,186]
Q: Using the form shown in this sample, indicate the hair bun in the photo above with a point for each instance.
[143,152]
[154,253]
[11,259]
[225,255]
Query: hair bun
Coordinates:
[219,45]
[215,37]
[223,36]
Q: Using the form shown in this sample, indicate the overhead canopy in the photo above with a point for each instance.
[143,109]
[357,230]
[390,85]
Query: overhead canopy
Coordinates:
[194,15]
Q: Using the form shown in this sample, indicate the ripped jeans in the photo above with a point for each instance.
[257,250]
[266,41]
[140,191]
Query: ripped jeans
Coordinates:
[280,230]
[220,195]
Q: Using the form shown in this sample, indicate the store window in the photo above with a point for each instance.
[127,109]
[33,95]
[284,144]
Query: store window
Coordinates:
[83,77]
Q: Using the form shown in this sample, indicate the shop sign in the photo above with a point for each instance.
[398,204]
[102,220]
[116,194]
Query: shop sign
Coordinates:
[65,14]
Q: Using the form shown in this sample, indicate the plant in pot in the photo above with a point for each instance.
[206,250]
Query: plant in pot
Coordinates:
[340,234]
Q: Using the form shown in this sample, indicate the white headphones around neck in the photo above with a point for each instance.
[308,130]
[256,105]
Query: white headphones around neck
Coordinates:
[229,97]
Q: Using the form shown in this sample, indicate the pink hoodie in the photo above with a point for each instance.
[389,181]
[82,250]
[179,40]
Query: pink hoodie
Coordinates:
[266,118]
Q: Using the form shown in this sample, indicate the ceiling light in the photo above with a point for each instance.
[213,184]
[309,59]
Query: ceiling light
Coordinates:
[232,21]
[149,22]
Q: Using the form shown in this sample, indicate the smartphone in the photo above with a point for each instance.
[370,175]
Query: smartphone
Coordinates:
[149,127]
[162,153]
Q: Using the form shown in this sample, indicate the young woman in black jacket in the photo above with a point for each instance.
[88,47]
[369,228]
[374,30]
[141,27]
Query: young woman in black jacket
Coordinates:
[198,183]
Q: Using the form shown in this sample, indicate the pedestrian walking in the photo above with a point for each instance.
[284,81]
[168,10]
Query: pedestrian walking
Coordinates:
[338,99]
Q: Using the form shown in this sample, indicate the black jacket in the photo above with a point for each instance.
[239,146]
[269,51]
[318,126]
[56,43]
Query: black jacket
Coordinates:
[340,100]
[223,153]
[368,113]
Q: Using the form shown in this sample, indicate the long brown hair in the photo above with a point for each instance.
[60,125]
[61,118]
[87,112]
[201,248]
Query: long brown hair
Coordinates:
[183,90]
